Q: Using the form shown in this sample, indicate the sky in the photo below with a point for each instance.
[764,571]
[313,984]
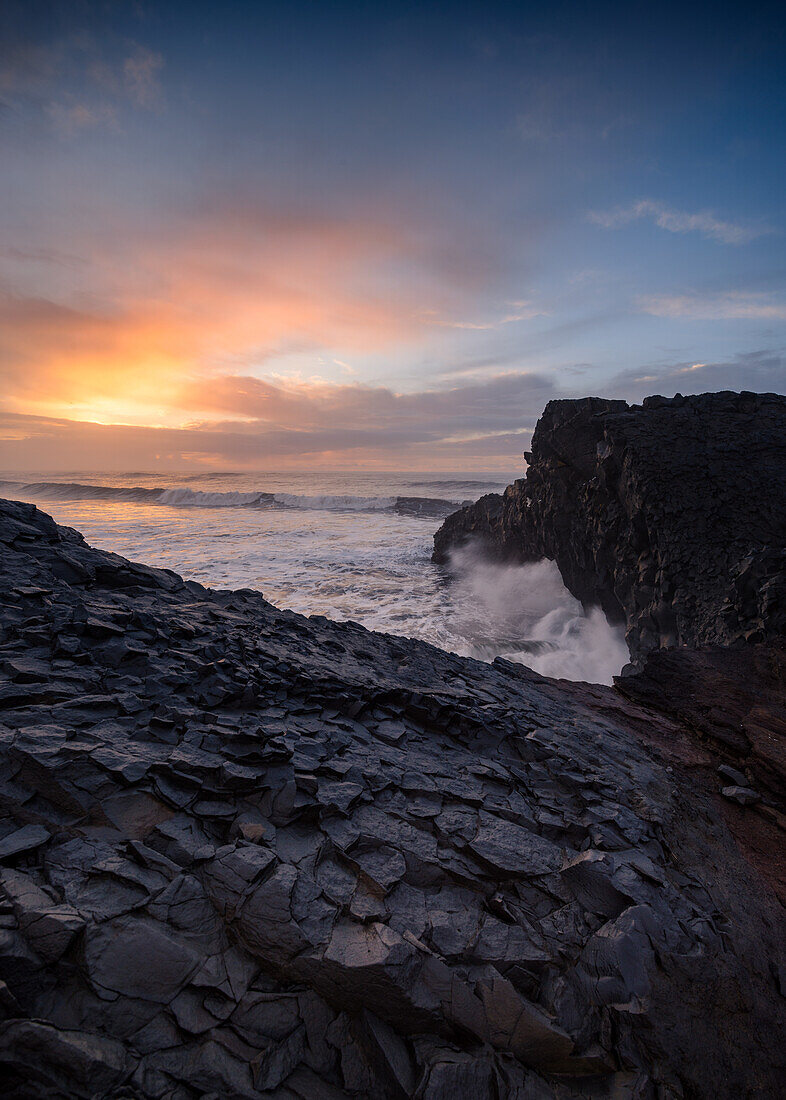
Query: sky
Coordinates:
[323,235]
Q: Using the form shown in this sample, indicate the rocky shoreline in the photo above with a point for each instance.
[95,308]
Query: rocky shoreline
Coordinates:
[671,516]
[249,854]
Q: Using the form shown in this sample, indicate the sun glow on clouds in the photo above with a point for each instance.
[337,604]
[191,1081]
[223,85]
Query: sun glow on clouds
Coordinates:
[154,317]
[241,332]
[211,227]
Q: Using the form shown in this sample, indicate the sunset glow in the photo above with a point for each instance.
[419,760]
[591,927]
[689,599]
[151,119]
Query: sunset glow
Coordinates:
[221,260]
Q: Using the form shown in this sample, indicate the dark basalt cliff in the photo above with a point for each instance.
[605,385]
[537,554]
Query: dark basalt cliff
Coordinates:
[247,854]
[671,515]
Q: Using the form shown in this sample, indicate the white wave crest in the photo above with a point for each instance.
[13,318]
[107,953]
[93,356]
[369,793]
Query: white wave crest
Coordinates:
[68,490]
[336,503]
[181,497]
[197,498]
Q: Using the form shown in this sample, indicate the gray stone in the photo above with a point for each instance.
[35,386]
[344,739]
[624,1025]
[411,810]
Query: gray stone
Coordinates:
[48,1057]
[512,850]
[744,796]
[590,878]
[138,958]
[734,777]
[26,839]
[51,931]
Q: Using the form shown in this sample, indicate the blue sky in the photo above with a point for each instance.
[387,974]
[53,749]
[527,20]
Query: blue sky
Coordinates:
[346,234]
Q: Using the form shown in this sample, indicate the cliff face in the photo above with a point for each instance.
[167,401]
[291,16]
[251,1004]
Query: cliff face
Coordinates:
[247,854]
[670,516]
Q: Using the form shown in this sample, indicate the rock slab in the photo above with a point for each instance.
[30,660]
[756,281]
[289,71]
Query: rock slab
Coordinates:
[247,854]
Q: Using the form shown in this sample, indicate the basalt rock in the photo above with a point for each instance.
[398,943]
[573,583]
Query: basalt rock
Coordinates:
[248,854]
[671,515]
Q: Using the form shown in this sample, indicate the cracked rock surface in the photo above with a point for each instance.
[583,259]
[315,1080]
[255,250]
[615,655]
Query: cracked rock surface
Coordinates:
[244,853]
[671,516]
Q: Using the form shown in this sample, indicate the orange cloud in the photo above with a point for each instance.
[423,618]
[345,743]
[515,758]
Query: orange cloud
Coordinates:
[154,315]
[481,424]
[61,361]
[29,443]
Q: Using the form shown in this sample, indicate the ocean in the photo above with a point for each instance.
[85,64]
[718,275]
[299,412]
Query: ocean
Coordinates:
[345,545]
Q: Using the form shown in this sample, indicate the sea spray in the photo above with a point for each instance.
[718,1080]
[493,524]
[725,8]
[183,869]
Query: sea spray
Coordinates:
[524,612]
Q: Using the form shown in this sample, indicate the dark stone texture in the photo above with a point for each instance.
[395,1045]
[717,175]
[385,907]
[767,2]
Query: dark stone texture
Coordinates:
[671,516]
[268,856]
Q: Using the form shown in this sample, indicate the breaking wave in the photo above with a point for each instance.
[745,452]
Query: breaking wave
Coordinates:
[179,497]
[525,614]
[67,490]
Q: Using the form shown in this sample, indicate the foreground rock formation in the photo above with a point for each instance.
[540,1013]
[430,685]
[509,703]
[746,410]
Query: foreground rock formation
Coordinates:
[245,854]
[671,516]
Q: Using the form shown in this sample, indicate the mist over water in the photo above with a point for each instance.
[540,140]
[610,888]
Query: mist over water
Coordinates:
[336,545]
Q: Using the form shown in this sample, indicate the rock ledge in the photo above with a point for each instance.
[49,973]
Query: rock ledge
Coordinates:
[247,854]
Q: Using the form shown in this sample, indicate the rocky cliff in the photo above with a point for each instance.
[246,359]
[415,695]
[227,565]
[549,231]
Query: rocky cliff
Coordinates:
[671,515]
[247,854]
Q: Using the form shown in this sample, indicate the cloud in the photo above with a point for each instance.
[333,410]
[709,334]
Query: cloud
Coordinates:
[523,310]
[560,108]
[56,358]
[727,306]
[498,404]
[298,424]
[537,344]
[761,371]
[140,74]
[42,256]
[221,287]
[252,423]
[78,81]
[677,221]
[181,326]
[71,117]
[25,67]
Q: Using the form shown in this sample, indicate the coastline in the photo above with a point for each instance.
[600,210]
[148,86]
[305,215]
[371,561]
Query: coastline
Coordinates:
[353,862]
